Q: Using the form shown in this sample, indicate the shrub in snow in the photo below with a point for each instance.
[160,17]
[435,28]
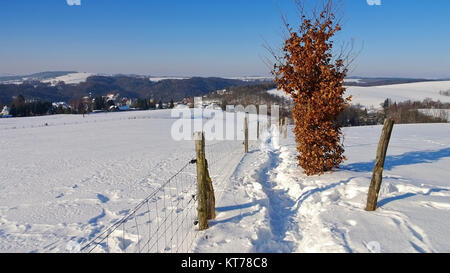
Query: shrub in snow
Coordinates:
[308,73]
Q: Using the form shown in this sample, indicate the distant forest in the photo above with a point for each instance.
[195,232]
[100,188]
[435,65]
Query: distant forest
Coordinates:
[126,86]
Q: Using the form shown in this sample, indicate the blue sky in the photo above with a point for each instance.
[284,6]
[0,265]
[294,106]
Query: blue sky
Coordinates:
[400,38]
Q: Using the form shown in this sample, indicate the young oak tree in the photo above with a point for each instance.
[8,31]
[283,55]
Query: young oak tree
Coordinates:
[314,78]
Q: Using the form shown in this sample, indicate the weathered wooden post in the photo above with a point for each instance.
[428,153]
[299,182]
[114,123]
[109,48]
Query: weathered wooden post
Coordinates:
[280,125]
[285,127]
[377,176]
[257,130]
[210,196]
[201,181]
[246,134]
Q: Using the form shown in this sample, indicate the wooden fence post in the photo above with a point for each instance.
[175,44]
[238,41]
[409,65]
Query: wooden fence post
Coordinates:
[285,127]
[201,181]
[377,176]
[257,130]
[246,134]
[210,197]
[280,125]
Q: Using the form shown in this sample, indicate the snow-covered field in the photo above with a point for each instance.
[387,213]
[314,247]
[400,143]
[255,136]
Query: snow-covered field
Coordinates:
[271,206]
[251,78]
[244,78]
[73,78]
[75,176]
[376,95]
[66,178]
[158,79]
[352,80]
[69,78]
[279,93]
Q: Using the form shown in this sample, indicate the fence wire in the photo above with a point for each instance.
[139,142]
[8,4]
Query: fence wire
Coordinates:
[223,158]
[166,220]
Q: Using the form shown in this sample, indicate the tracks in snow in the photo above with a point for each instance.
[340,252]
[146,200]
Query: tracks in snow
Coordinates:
[283,235]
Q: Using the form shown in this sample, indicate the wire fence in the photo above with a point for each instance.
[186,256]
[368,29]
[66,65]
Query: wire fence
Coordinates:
[166,221]
[223,158]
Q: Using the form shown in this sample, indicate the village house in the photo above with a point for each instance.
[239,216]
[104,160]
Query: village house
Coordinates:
[5,112]
[61,104]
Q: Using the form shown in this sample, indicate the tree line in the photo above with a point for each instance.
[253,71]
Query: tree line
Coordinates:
[402,112]
[408,111]
[20,107]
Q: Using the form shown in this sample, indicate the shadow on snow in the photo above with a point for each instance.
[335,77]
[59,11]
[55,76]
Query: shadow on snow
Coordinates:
[409,158]
[388,200]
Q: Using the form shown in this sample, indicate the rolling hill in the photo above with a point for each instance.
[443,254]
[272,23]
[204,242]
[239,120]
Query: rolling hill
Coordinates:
[373,96]
[63,86]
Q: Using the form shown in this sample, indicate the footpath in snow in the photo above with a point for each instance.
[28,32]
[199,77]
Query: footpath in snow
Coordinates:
[271,206]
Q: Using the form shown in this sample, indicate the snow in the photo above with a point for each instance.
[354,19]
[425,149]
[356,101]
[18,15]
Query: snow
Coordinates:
[77,175]
[251,78]
[437,113]
[72,78]
[158,79]
[271,206]
[352,80]
[279,93]
[242,78]
[66,178]
[181,106]
[372,97]
[16,82]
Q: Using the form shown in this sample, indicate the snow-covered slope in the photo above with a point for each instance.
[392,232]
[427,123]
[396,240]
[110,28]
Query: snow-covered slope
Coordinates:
[73,78]
[251,78]
[352,80]
[279,93]
[158,79]
[243,78]
[50,77]
[374,96]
